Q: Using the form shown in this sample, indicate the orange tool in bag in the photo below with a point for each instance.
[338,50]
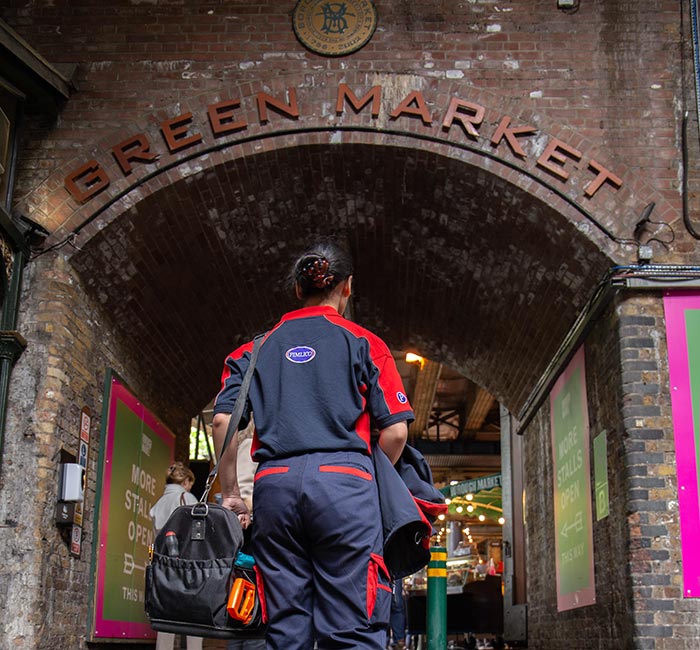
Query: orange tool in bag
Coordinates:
[241,600]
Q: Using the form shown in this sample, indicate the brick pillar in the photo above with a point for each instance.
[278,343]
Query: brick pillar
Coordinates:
[659,610]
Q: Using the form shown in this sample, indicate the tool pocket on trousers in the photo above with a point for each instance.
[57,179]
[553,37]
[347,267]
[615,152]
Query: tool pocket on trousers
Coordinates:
[379,591]
[261,593]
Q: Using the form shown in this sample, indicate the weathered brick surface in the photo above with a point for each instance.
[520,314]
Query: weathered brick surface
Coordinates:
[180,51]
[43,591]
[608,623]
[663,619]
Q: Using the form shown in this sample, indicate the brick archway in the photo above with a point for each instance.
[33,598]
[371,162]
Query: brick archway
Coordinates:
[476,253]
[459,263]
[478,236]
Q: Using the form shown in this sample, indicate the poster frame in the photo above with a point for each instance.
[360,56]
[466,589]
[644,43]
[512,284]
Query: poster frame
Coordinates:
[114,630]
[585,596]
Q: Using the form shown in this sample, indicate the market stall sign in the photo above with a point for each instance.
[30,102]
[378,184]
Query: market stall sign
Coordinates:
[573,526]
[136,451]
[600,470]
[472,486]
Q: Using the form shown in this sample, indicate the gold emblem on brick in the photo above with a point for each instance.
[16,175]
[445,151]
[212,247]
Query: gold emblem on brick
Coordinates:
[334,28]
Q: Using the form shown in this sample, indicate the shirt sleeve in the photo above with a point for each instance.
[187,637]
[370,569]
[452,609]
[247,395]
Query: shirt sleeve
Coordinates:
[235,367]
[386,397]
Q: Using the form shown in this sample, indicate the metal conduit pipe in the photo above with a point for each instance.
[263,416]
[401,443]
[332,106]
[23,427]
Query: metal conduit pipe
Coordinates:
[637,277]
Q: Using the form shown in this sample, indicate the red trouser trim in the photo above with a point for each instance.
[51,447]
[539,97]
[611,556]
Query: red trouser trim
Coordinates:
[341,469]
[271,470]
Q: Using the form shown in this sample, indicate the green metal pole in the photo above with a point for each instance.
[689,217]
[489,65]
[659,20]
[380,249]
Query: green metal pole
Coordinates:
[436,610]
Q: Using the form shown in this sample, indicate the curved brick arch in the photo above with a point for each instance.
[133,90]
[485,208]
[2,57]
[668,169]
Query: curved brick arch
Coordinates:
[300,110]
[476,256]
[451,259]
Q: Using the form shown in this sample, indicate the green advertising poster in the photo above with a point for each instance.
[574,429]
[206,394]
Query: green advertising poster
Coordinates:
[572,488]
[137,450]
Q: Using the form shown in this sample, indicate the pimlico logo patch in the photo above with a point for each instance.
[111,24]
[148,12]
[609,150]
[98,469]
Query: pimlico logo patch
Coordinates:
[300,354]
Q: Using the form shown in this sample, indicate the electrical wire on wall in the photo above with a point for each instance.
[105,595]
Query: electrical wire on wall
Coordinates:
[684,189]
[696,52]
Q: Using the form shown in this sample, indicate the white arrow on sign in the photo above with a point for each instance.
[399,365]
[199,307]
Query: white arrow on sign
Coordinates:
[129,565]
[576,525]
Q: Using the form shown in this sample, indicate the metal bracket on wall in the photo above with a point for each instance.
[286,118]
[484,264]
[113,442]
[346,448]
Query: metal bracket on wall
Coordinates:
[12,344]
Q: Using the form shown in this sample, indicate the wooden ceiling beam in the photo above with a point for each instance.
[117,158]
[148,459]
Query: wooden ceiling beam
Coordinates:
[479,409]
[424,397]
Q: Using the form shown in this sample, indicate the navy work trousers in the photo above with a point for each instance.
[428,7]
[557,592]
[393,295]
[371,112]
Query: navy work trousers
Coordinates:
[317,541]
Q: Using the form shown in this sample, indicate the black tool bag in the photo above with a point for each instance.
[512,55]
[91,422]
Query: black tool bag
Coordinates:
[188,584]
[197,581]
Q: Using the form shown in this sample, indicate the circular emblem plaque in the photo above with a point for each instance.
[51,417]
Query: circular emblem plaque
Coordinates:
[334,28]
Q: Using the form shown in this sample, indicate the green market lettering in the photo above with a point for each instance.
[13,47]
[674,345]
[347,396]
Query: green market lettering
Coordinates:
[227,117]
[474,485]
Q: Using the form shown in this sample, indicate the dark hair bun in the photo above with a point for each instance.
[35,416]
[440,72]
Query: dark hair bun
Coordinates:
[323,266]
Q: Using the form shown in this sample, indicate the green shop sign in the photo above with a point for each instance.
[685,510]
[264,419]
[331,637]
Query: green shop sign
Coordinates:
[572,488]
[135,453]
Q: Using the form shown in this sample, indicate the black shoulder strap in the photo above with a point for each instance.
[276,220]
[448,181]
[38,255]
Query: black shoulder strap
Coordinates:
[236,414]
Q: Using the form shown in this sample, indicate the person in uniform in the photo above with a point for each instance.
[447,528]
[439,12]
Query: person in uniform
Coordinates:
[320,385]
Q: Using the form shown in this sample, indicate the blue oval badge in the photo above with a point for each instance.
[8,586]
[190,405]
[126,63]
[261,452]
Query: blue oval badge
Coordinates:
[401,397]
[300,354]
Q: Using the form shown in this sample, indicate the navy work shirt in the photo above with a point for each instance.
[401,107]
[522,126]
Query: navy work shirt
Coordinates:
[320,383]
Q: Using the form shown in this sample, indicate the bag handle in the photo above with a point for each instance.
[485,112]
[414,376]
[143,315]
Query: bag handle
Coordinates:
[235,415]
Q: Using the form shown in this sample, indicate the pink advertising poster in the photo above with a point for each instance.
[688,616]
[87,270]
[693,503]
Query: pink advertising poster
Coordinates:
[682,310]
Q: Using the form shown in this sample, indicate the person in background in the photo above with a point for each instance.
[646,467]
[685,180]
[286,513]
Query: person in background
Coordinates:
[491,568]
[398,618]
[245,465]
[178,483]
[320,384]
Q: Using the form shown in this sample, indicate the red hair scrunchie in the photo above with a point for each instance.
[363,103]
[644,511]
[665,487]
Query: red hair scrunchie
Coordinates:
[317,272]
